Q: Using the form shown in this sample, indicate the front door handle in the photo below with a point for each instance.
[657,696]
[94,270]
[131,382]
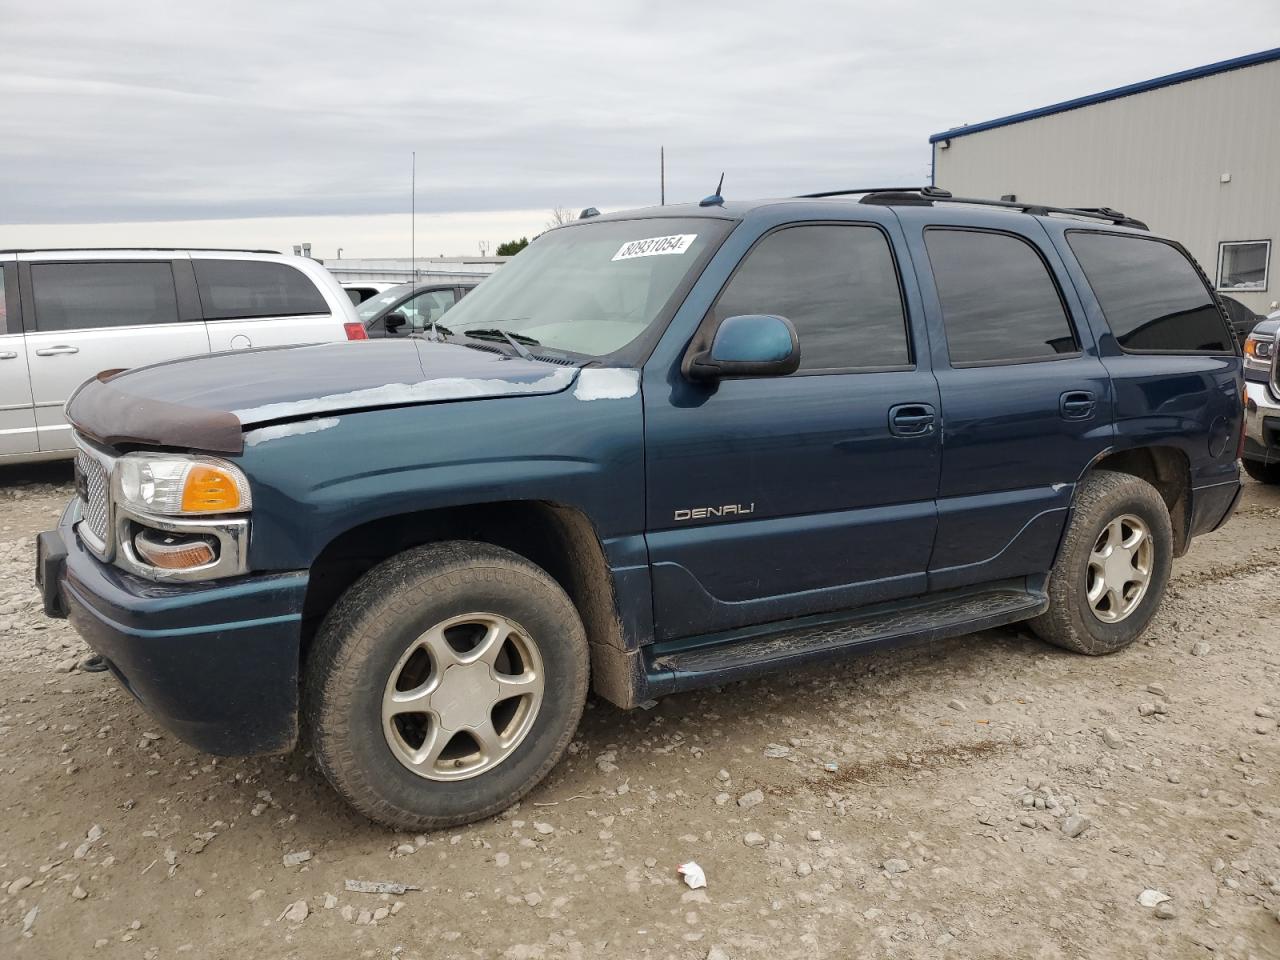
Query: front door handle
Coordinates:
[911,419]
[8,355]
[57,351]
[1077,405]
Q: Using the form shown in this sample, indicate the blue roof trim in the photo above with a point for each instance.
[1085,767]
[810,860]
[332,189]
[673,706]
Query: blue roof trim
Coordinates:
[1195,73]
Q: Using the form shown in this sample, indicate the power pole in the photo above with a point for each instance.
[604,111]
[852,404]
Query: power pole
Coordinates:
[662,176]
[413,215]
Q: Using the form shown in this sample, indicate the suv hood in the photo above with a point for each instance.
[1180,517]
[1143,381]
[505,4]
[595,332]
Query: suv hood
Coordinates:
[208,402]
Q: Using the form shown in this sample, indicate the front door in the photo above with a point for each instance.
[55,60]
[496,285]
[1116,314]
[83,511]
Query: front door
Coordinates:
[774,497]
[87,317]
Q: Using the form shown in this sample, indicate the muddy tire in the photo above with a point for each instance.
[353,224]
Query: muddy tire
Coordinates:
[444,684]
[1113,566]
[1262,472]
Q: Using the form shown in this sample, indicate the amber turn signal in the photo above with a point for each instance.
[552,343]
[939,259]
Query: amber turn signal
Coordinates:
[210,489]
[171,552]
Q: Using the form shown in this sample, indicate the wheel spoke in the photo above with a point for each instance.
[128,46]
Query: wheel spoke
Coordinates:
[514,685]
[490,645]
[417,700]
[442,654]
[1098,587]
[437,739]
[490,741]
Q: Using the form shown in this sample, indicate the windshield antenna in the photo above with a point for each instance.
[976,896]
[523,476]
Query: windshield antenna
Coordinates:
[715,200]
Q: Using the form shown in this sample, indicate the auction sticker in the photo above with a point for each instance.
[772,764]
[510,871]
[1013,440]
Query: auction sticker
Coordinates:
[655,246]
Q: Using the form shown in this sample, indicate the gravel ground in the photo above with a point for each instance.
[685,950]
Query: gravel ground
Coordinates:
[984,797]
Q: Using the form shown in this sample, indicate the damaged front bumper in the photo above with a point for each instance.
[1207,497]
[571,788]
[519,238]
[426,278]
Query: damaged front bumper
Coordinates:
[215,662]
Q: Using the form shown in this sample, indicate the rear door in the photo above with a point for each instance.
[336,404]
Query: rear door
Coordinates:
[86,316]
[265,303]
[17,415]
[1026,402]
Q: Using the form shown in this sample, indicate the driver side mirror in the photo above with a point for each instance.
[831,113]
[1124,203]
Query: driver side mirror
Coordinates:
[394,323]
[749,345]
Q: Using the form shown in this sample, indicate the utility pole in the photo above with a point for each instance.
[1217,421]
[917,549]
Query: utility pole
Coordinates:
[662,176]
[413,215]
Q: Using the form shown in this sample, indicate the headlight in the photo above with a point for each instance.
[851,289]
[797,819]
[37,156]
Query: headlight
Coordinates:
[172,485]
[1258,352]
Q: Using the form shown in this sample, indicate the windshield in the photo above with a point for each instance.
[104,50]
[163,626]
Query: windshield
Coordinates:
[591,288]
[380,301]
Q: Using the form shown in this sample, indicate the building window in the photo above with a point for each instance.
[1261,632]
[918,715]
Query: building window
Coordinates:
[1243,266]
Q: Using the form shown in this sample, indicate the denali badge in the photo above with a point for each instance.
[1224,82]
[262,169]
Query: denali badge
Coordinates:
[728,510]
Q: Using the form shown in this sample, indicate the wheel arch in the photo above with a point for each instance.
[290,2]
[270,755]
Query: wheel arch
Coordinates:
[1168,469]
[559,538]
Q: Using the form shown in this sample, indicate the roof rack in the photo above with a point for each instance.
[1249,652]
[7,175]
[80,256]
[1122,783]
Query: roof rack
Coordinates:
[925,196]
[140,249]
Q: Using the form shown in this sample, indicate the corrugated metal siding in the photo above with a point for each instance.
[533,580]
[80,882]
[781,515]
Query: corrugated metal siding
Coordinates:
[1158,156]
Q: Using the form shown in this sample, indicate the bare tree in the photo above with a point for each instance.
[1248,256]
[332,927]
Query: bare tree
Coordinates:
[560,216]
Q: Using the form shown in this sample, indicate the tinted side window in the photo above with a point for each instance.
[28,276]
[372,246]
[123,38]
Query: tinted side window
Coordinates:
[232,289]
[79,296]
[998,301]
[837,284]
[1151,295]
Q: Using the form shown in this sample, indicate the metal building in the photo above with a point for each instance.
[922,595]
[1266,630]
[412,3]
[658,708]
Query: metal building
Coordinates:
[1194,154]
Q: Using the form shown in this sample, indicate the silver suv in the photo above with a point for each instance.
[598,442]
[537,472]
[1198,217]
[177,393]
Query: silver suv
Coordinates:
[67,315]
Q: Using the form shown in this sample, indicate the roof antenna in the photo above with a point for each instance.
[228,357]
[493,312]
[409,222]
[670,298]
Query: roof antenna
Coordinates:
[715,200]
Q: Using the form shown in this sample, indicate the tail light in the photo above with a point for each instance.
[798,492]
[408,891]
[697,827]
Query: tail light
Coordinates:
[356,331]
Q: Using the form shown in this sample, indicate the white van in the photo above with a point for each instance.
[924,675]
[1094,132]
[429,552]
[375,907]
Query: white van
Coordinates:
[67,315]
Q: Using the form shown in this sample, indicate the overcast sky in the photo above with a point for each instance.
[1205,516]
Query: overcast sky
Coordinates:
[289,122]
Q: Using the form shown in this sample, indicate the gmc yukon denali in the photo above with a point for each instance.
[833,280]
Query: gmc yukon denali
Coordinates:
[659,450]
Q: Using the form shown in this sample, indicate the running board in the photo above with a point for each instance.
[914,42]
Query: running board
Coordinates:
[687,664]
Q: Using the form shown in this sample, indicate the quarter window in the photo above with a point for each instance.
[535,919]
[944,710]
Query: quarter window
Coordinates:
[1243,266]
[1151,294]
[999,303]
[837,284]
[80,296]
[238,289]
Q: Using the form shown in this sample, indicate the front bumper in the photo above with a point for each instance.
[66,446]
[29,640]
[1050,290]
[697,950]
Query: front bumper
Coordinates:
[1261,423]
[214,662]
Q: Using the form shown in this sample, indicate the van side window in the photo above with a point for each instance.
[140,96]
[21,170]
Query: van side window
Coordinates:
[999,303]
[837,284]
[83,296]
[240,289]
[1152,296]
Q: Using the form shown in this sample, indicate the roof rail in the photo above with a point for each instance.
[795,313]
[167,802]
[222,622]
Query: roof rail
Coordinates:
[140,249]
[925,196]
[845,193]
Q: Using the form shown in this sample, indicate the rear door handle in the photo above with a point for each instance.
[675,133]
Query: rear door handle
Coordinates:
[1077,405]
[57,351]
[911,419]
[8,355]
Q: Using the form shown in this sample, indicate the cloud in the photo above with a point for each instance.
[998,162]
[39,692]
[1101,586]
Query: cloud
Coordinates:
[137,111]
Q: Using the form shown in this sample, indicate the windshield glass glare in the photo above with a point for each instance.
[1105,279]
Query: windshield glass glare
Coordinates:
[590,288]
[380,301]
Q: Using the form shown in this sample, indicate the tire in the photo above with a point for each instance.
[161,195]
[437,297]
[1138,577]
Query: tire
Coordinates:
[1262,472]
[393,619]
[1072,621]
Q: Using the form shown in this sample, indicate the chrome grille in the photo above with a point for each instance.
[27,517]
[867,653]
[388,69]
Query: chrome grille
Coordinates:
[92,486]
[1275,365]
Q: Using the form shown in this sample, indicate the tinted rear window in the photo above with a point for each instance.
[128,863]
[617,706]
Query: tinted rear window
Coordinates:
[999,304]
[232,289]
[1151,295]
[837,284]
[83,296]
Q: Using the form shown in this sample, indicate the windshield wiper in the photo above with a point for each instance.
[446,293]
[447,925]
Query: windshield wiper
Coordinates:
[517,340]
[439,332]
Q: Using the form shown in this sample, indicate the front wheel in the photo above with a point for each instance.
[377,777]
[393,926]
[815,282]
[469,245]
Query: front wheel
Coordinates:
[444,684]
[1262,472]
[1113,567]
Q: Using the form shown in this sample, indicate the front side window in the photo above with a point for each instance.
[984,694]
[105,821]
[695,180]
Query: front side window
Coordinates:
[999,303]
[837,284]
[1151,294]
[83,296]
[241,289]
[592,288]
[1243,266]
[426,308]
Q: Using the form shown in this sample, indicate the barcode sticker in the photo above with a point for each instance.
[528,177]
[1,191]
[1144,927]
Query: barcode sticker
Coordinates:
[655,246]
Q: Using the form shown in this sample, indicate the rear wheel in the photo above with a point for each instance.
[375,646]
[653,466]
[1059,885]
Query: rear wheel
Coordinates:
[1113,566]
[445,684]
[1262,472]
